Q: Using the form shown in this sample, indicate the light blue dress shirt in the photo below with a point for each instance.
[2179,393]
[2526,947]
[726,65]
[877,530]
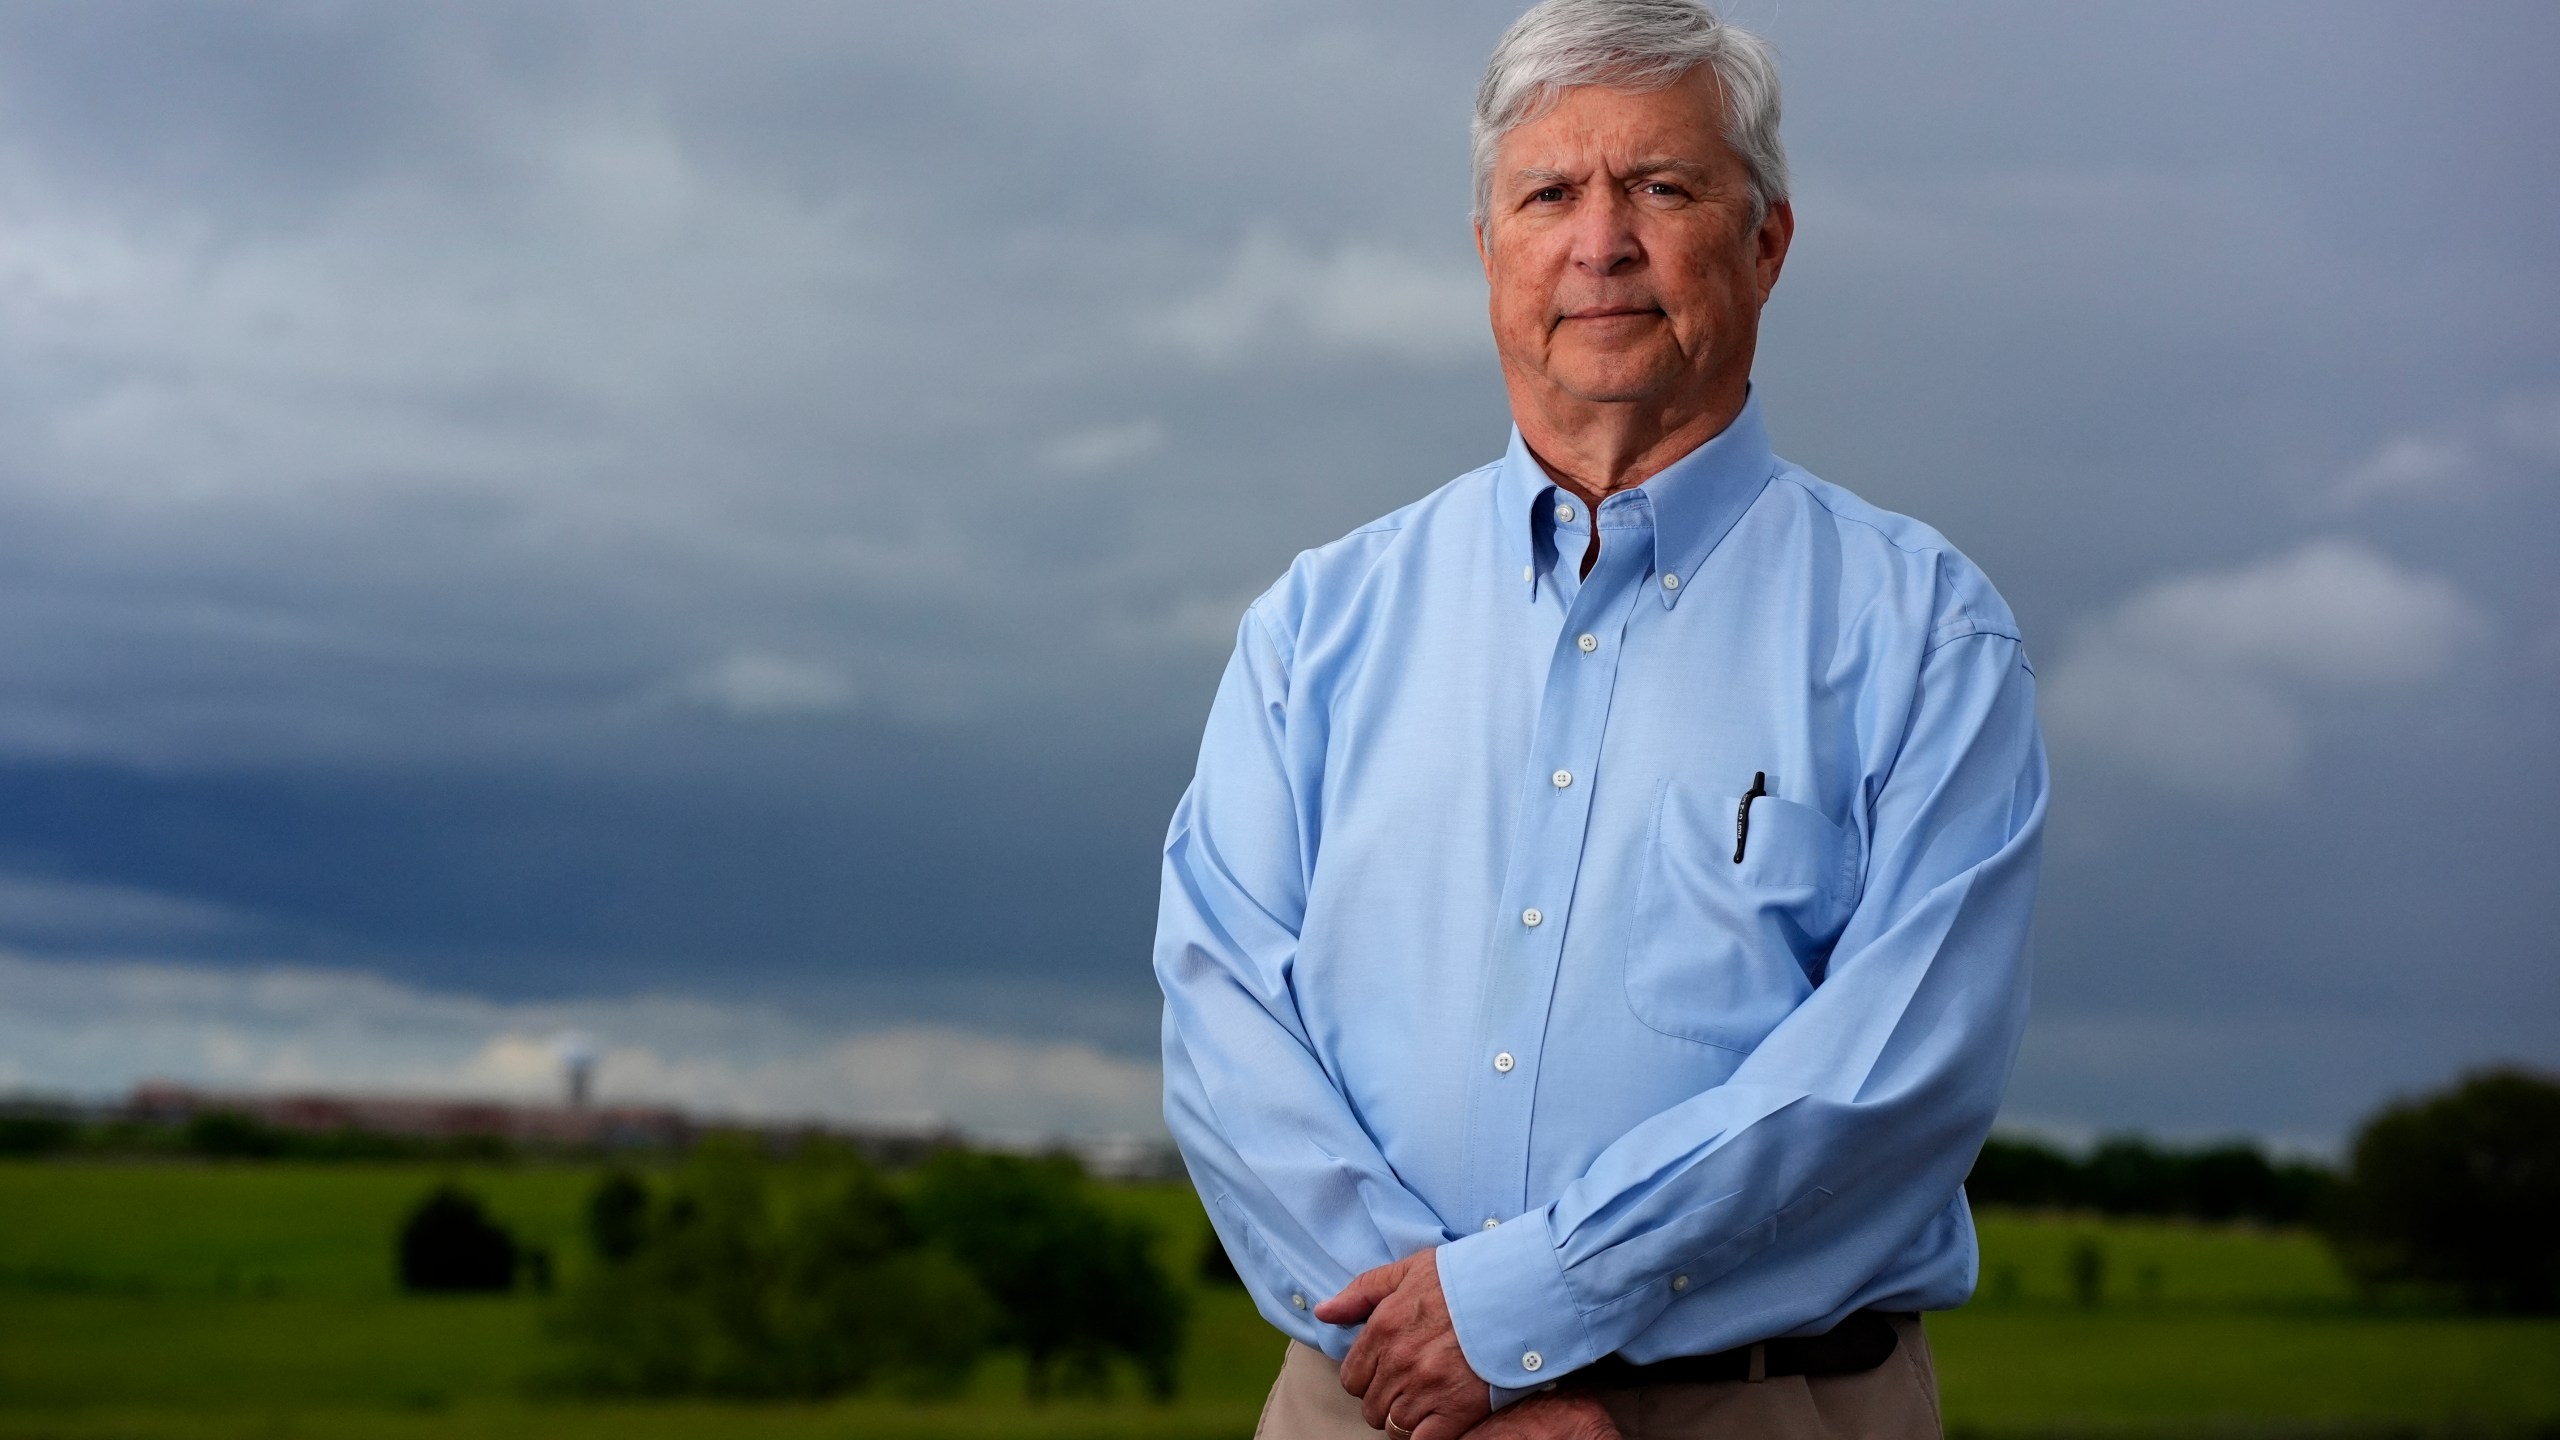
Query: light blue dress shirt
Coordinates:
[1457,950]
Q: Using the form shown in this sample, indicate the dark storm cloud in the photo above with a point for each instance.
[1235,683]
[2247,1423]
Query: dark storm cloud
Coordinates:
[750,502]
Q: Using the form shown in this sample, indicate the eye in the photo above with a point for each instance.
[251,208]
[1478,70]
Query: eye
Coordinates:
[1663,188]
[1549,195]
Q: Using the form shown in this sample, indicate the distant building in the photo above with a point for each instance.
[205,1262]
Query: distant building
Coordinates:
[609,1126]
[586,1125]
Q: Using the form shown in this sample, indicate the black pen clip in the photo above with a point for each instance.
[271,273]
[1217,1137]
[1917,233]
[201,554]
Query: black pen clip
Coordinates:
[1742,817]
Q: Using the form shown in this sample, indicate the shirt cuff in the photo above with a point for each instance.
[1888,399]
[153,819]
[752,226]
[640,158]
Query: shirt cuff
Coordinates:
[1515,1319]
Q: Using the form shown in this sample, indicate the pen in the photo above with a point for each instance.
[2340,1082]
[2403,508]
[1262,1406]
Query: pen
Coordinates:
[1742,817]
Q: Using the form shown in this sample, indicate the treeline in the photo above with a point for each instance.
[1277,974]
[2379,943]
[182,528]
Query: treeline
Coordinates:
[2127,1175]
[230,1135]
[35,1130]
[2450,1194]
[812,1274]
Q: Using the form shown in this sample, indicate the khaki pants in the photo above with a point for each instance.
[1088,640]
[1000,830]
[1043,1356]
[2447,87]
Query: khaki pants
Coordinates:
[1897,1400]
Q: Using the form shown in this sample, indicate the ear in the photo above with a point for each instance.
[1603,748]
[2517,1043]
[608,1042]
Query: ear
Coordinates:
[1777,231]
[1484,253]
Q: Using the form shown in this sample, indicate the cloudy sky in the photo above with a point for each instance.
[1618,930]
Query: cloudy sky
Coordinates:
[716,525]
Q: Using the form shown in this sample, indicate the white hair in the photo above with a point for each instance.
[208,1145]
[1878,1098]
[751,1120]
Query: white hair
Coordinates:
[1632,45]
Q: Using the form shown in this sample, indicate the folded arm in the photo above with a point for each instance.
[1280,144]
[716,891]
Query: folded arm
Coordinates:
[1296,1187]
[1775,1197]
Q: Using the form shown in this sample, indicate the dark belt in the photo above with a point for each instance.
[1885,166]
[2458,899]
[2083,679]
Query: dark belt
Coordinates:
[1860,1343]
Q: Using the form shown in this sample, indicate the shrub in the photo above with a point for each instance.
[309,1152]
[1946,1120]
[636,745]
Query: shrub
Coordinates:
[450,1244]
[2088,1266]
[2459,1189]
[30,1135]
[1216,1267]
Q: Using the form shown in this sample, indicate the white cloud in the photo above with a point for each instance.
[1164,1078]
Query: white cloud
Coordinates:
[98,1028]
[2476,454]
[2405,465]
[1103,447]
[1358,297]
[43,908]
[754,686]
[2530,426]
[2206,681]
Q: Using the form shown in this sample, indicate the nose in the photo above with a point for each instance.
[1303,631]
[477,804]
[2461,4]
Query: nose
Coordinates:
[1604,236]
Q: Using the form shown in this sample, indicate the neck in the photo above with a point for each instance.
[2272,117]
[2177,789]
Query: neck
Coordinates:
[1597,448]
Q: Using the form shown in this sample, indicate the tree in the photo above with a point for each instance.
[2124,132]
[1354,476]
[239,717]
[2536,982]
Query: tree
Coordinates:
[2460,1189]
[1077,1283]
[2024,1174]
[752,1278]
[2128,1175]
[450,1244]
[617,1214]
[231,1135]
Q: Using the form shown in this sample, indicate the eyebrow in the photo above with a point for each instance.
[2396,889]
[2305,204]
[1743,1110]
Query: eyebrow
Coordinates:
[1668,164]
[1538,177]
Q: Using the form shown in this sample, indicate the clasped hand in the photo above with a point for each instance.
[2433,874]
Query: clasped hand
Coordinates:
[1407,1367]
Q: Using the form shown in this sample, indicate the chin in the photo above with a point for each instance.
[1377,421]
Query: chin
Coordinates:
[1612,385]
[1614,377]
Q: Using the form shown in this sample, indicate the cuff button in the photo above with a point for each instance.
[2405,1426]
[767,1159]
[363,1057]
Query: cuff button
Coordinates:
[1532,1362]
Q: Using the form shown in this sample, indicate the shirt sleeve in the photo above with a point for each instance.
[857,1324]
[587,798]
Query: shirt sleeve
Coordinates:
[1296,1188]
[1774,1198]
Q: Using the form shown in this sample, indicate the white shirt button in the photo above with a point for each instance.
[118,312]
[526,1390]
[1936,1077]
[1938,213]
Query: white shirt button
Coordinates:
[1503,1062]
[1588,643]
[1562,778]
[1298,1300]
[1679,1282]
[1490,1222]
[1533,1362]
[1564,514]
[1531,918]
[1670,582]
[1529,573]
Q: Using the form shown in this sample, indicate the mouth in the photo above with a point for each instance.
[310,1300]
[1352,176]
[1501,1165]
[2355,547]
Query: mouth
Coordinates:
[1611,312]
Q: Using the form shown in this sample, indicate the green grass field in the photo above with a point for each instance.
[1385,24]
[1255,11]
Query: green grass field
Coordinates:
[141,1301]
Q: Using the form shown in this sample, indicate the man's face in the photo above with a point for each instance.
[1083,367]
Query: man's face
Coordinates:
[1619,246]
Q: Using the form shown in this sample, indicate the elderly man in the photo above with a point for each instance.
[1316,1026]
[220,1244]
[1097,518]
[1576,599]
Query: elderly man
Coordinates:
[1593,942]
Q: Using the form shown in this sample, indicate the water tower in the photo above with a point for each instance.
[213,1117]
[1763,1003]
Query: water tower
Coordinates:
[578,1056]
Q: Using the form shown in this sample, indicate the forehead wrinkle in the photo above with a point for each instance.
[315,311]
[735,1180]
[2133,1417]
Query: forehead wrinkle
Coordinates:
[1667,164]
[1541,176]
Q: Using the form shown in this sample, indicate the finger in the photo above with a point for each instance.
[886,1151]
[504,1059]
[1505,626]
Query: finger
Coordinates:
[1435,1422]
[1360,1366]
[1388,1400]
[1441,1427]
[1594,1423]
[1360,1296]
[1378,1406]
[1455,1404]
[1387,1359]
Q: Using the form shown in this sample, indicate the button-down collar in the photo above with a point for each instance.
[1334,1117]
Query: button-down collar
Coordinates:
[1689,505]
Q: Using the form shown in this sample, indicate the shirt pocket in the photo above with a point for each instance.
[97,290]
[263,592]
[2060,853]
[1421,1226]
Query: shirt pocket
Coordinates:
[1720,952]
